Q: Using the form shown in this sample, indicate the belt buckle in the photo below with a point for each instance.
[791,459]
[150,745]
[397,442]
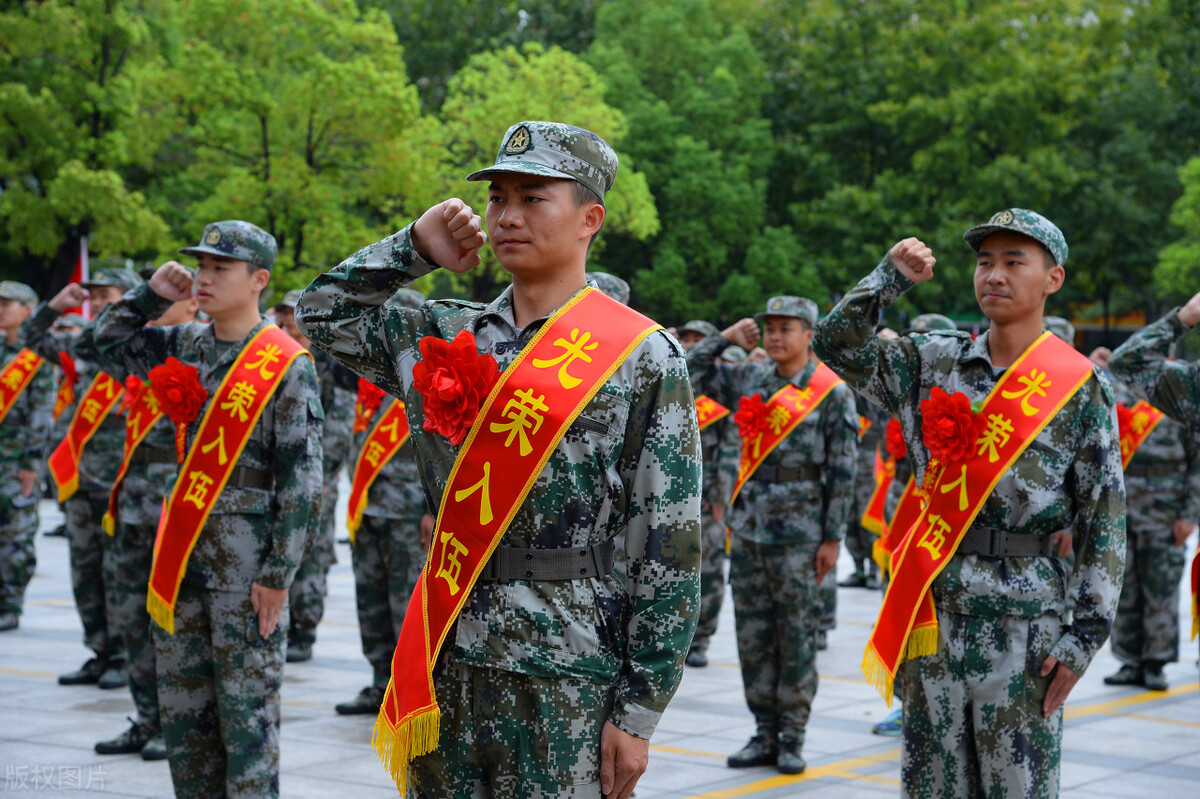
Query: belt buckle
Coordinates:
[997,539]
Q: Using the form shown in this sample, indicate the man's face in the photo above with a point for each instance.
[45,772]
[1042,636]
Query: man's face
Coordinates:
[535,223]
[786,338]
[285,317]
[223,283]
[12,314]
[1012,279]
[100,297]
[691,339]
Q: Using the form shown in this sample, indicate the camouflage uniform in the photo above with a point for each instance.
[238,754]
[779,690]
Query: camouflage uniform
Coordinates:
[973,721]
[218,680]
[860,540]
[24,436]
[533,669]
[776,597]
[93,561]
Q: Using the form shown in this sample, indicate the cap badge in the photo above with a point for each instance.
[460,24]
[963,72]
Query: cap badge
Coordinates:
[213,237]
[775,306]
[518,142]
[1002,218]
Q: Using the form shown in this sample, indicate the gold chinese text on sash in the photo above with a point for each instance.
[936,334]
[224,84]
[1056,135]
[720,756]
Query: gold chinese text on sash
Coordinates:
[1020,405]
[708,411]
[15,377]
[787,408]
[99,399]
[516,431]
[141,416]
[226,427]
[864,424]
[1143,418]
[385,440]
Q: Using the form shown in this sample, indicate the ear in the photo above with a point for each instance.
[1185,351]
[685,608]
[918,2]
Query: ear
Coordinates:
[593,218]
[1055,277]
[260,279]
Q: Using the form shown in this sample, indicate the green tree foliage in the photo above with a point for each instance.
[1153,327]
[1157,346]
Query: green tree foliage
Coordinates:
[1178,272]
[73,144]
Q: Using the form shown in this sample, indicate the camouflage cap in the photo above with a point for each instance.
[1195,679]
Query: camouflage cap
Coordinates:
[927,322]
[234,238]
[20,292]
[700,326]
[290,300]
[406,298]
[116,277]
[787,305]
[734,354]
[555,150]
[1027,223]
[1061,328]
[611,285]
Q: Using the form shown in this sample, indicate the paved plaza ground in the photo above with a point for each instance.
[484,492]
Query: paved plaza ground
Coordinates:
[1118,741]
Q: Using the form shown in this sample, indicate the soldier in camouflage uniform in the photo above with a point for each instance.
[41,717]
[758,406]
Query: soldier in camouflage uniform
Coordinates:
[1162,487]
[859,539]
[139,509]
[24,436]
[93,575]
[630,465]
[307,595]
[797,504]
[717,487]
[982,715]
[388,554]
[611,285]
[219,674]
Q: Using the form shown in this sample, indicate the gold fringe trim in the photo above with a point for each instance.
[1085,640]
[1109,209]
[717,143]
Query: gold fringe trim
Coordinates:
[68,489]
[109,524]
[162,613]
[921,641]
[877,674]
[415,737]
[1195,618]
[882,558]
[355,522]
[872,524]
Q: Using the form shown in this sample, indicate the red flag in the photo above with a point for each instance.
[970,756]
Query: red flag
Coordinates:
[80,275]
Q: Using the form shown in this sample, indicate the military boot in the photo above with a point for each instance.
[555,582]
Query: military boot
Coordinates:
[368,701]
[132,740]
[115,675]
[696,658]
[155,748]
[298,653]
[856,580]
[9,621]
[1126,675]
[1153,677]
[760,751]
[789,760]
[87,674]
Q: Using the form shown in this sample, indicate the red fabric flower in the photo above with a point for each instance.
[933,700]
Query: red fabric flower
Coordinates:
[70,373]
[178,389]
[897,447]
[453,380]
[134,386]
[949,427]
[370,397]
[1124,417]
[751,416]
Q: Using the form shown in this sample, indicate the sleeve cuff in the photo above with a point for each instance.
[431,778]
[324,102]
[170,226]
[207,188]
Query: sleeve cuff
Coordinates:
[275,575]
[147,302]
[634,719]
[1071,652]
[1178,328]
[891,283]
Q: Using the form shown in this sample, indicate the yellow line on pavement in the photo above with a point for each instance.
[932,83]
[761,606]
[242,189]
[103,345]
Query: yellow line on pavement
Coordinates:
[23,673]
[1158,719]
[844,769]
[675,750]
[1112,707]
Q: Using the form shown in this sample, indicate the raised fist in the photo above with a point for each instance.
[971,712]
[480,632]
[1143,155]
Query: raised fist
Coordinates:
[743,333]
[913,259]
[172,281]
[72,296]
[450,235]
[1190,313]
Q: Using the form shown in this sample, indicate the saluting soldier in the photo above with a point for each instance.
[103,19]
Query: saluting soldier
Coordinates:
[993,631]
[796,482]
[26,421]
[594,425]
[85,464]
[226,556]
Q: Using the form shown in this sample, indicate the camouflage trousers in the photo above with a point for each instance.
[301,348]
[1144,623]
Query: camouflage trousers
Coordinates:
[218,694]
[18,556]
[93,577]
[859,540]
[828,588]
[310,586]
[388,558]
[712,578]
[1147,624]
[513,736]
[973,724]
[777,608]
[133,554]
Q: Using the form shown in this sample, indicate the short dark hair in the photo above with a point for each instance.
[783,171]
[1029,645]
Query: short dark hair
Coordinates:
[585,196]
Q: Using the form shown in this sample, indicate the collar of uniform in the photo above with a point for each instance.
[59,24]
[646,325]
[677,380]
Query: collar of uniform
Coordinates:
[208,341]
[977,349]
[502,308]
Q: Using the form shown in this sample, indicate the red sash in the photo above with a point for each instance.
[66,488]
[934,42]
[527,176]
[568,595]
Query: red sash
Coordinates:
[15,377]
[1019,407]
[708,411]
[100,398]
[908,510]
[1143,418]
[142,415]
[864,424]
[873,515]
[785,410]
[226,427]
[517,429]
[384,441]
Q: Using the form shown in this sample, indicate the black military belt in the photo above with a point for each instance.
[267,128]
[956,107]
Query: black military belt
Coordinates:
[509,563]
[1154,469]
[245,477]
[993,543]
[786,474]
[112,422]
[149,454]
